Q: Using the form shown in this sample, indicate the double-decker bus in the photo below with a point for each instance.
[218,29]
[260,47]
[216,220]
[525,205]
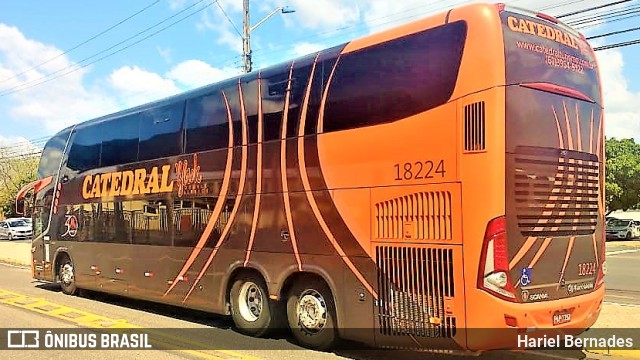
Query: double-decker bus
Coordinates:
[397,190]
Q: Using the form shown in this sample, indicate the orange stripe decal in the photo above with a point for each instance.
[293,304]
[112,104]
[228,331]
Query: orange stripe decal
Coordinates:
[566,119]
[544,246]
[236,205]
[598,139]
[217,210]
[283,172]
[578,127]
[312,201]
[591,133]
[560,137]
[566,259]
[324,97]
[523,251]
[595,247]
[256,209]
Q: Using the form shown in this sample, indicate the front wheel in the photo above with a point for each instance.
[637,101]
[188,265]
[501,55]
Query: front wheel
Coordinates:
[67,276]
[628,236]
[10,237]
[311,314]
[252,311]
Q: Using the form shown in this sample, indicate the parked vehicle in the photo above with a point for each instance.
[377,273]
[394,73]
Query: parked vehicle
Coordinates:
[15,229]
[622,229]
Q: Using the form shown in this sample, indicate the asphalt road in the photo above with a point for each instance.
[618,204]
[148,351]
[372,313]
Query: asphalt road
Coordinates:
[218,332]
[623,272]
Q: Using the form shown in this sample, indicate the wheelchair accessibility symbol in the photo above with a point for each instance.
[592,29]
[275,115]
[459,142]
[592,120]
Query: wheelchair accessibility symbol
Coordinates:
[525,277]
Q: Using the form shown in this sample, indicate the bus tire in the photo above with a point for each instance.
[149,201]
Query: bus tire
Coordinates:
[67,275]
[311,314]
[252,311]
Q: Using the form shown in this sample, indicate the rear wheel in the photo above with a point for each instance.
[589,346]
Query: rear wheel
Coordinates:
[10,237]
[67,275]
[251,309]
[628,236]
[311,314]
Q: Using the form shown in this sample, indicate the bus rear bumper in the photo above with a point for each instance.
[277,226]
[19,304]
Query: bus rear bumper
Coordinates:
[516,324]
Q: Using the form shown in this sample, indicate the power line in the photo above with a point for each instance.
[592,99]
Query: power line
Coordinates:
[591,9]
[613,33]
[71,69]
[228,18]
[604,16]
[617,45]
[83,43]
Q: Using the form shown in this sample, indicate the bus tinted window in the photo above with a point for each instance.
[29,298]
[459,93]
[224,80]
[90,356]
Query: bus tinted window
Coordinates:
[120,143]
[161,132]
[274,86]
[85,149]
[396,79]
[206,123]
[52,154]
[539,51]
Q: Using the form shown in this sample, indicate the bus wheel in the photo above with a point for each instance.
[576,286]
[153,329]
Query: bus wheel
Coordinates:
[311,314]
[67,276]
[252,311]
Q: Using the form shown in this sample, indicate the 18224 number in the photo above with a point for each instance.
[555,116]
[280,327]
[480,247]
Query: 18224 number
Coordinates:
[419,170]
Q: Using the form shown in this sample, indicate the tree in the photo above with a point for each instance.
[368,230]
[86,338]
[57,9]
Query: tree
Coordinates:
[622,181]
[16,171]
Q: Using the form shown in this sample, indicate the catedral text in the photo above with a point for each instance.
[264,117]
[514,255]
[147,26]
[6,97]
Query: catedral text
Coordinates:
[541,30]
[128,182]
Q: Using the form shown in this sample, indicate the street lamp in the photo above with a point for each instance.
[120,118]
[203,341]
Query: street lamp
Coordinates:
[247,29]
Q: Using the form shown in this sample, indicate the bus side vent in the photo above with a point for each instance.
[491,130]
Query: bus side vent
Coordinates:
[474,127]
[423,215]
[413,285]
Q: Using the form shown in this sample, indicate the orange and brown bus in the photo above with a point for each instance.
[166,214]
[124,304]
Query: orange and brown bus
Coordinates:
[397,190]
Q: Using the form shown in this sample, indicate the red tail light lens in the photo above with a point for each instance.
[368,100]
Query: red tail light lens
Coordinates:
[493,273]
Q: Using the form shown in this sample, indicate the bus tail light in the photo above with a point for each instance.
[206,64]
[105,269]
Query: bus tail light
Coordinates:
[493,273]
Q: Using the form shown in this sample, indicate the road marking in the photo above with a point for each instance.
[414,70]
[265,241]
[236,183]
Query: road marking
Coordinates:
[621,353]
[90,320]
[621,252]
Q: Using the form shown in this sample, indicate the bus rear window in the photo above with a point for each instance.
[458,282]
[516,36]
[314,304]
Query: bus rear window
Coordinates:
[538,51]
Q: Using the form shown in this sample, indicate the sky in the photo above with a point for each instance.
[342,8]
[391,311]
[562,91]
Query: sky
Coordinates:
[67,61]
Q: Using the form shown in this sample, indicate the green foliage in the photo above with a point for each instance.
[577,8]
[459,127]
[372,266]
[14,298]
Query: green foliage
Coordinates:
[622,185]
[15,172]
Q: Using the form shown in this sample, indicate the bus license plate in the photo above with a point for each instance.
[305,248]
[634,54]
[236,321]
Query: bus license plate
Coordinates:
[561,317]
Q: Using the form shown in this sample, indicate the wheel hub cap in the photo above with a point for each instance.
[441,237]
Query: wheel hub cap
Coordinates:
[66,275]
[250,301]
[312,311]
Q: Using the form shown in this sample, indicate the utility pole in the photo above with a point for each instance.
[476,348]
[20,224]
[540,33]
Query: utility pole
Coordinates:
[247,63]
[246,40]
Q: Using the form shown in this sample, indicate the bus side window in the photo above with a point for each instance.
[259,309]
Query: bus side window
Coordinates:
[161,132]
[120,142]
[274,88]
[396,79]
[206,123]
[85,148]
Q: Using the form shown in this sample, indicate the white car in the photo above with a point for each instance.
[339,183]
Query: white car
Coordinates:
[622,229]
[15,229]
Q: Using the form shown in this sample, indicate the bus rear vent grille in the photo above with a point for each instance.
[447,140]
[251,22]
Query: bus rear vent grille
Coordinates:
[556,191]
[413,284]
[474,127]
[423,215]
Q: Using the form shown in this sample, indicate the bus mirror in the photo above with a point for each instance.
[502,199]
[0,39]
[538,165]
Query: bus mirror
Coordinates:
[20,206]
